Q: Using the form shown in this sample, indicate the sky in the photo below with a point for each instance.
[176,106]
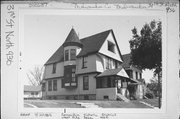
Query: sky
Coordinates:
[44,34]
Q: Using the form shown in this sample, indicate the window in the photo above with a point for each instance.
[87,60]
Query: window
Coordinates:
[106,97]
[49,85]
[36,93]
[140,75]
[32,93]
[85,83]
[54,85]
[136,75]
[54,68]
[108,63]
[73,75]
[86,97]
[62,83]
[111,46]
[44,87]
[73,54]
[116,64]
[84,62]
[66,55]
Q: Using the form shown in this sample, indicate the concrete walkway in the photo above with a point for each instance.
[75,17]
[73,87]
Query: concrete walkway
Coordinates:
[88,105]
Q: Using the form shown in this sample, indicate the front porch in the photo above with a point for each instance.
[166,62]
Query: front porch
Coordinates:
[112,85]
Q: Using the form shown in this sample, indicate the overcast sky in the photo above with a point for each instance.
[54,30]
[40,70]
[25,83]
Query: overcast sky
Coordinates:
[44,34]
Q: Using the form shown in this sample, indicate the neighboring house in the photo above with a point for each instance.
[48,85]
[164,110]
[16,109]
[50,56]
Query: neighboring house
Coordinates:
[138,89]
[32,92]
[88,68]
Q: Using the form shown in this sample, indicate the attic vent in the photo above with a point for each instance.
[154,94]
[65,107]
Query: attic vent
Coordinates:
[111,46]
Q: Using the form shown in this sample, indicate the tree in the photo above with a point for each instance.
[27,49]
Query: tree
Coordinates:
[153,86]
[35,76]
[146,48]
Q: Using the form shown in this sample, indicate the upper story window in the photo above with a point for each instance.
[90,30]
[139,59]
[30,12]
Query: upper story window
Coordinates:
[73,54]
[111,46]
[54,68]
[66,56]
[84,62]
[85,83]
[108,63]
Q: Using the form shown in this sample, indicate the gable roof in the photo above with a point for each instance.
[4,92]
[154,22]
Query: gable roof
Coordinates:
[110,72]
[127,60]
[30,88]
[58,56]
[92,44]
[127,63]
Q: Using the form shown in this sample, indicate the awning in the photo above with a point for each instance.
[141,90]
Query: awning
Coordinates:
[114,72]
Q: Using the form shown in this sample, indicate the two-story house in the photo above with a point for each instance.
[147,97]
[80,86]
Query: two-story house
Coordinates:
[137,89]
[88,68]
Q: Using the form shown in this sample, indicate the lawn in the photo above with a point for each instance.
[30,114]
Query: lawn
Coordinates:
[80,103]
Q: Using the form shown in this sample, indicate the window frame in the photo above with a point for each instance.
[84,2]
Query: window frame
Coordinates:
[66,55]
[72,54]
[54,87]
[84,62]
[111,46]
[50,86]
[85,83]
[136,75]
[54,68]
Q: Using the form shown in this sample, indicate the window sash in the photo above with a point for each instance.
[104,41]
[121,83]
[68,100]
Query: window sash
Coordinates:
[85,83]
[49,85]
[84,62]
[54,68]
[73,54]
[66,55]
[54,85]
[111,46]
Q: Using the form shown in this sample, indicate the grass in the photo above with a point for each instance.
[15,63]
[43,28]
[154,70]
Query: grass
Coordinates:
[100,103]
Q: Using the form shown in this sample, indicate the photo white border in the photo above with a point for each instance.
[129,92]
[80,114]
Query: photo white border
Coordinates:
[135,13]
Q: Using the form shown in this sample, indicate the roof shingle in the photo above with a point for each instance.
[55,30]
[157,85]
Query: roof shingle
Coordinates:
[92,44]
[127,60]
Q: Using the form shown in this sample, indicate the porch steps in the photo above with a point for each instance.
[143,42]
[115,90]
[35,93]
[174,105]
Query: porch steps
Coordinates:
[123,98]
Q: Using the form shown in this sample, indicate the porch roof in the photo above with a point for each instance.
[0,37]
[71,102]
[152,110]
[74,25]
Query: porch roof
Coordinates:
[134,81]
[114,72]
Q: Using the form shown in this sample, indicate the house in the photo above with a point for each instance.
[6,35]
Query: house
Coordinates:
[138,89]
[32,92]
[88,69]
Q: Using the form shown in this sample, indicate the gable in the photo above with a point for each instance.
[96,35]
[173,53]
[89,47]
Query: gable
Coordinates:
[92,44]
[123,73]
[111,41]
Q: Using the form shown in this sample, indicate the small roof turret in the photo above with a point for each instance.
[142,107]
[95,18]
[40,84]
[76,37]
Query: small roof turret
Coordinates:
[72,39]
